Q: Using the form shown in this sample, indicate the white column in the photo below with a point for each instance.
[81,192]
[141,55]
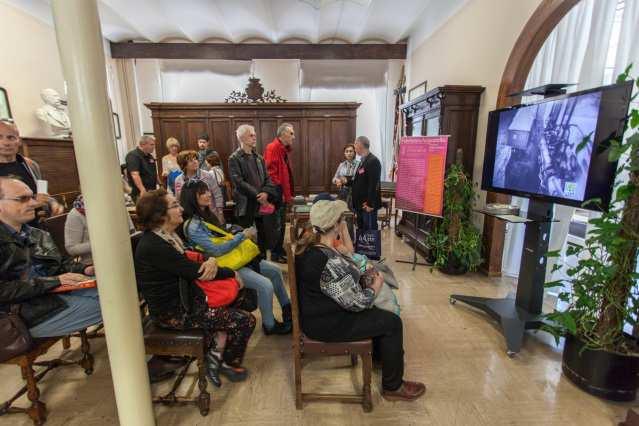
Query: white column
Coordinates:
[77,28]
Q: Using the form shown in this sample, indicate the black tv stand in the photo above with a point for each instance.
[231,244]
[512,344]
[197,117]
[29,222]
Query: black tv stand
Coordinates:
[522,313]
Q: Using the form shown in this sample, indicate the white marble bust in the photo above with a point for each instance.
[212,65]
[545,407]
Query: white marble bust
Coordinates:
[54,113]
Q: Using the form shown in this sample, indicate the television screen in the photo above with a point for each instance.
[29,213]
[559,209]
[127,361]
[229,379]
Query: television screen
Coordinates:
[555,149]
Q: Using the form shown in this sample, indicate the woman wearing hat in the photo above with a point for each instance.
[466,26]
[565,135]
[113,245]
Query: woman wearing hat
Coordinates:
[334,307]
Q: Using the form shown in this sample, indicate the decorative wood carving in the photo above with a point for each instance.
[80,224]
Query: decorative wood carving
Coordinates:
[254,93]
[521,58]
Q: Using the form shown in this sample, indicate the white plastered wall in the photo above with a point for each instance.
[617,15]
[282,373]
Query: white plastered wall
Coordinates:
[472,48]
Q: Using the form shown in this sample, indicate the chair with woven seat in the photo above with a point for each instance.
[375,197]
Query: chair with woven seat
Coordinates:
[37,411]
[304,347]
[179,343]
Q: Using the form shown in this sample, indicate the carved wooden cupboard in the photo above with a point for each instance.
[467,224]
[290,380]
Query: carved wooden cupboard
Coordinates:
[56,159]
[321,130]
[445,110]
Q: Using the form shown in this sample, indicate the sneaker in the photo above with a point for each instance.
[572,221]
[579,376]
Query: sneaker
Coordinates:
[408,391]
[278,328]
[234,374]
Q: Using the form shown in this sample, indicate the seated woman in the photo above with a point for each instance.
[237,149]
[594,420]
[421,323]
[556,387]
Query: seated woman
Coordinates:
[190,166]
[76,232]
[334,306]
[196,199]
[162,269]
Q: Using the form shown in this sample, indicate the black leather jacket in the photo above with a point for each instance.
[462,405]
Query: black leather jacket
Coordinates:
[244,191]
[18,252]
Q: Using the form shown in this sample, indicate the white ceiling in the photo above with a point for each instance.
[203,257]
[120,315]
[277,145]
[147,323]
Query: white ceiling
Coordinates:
[273,21]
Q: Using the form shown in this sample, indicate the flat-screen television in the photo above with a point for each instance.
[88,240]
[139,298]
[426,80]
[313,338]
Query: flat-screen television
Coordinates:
[534,151]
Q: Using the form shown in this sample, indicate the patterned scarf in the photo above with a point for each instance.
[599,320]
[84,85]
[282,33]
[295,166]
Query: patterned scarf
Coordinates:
[171,238]
[78,204]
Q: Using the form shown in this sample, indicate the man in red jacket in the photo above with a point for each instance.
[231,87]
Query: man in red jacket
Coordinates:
[280,172]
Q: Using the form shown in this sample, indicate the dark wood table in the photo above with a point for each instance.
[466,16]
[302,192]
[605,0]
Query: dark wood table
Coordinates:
[387,190]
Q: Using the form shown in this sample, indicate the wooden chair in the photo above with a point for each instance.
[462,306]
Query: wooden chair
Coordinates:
[182,343]
[37,411]
[55,226]
[304,346]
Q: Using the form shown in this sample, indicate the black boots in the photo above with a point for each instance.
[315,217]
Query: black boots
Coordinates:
[278,328]
[213,368]
[216,367]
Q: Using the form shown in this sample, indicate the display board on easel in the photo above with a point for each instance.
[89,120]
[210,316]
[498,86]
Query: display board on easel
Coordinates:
[420,178]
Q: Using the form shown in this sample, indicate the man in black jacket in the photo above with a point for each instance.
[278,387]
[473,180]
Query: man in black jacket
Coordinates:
[366,195]
[252,186]
[31,265]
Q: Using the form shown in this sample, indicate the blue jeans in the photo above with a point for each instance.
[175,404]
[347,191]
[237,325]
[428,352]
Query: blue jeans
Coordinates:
[82,311]
[266,283]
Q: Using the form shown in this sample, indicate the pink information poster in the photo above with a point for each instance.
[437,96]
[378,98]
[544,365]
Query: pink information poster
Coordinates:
[420,178]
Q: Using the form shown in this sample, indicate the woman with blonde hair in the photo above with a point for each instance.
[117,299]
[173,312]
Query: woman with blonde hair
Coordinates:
[169,161]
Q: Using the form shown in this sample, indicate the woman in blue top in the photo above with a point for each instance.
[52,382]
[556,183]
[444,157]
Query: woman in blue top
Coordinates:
[263,276]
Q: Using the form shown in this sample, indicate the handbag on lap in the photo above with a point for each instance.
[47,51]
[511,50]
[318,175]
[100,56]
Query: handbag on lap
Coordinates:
[235,259]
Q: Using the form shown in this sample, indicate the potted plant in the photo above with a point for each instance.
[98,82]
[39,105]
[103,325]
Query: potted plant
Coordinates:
[598,356]
[454,242]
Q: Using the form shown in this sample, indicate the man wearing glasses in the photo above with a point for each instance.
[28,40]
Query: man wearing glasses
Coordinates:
[14,164]
[32,266]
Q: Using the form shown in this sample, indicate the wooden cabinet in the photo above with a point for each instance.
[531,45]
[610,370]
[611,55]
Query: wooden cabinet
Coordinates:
[56,159]
[445,110]
[321,131]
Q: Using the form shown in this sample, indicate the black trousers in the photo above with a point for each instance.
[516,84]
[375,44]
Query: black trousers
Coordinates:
[386,330]
[278,250]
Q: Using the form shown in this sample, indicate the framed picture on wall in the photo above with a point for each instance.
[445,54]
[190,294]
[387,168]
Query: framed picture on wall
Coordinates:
[417,91]
[5,109]
[116,126]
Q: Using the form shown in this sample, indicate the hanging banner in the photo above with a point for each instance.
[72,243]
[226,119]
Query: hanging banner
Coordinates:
[420,178]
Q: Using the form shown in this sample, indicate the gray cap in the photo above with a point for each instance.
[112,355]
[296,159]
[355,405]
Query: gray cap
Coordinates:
[325,214]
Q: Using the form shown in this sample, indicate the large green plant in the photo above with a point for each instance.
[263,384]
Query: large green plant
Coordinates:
[599,289]
[455,239]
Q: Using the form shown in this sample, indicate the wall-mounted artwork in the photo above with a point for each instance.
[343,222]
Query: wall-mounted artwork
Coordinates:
[417,91]
[5,109]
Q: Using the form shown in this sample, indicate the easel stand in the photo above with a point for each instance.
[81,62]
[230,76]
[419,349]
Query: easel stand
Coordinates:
[522,313]
[414,261]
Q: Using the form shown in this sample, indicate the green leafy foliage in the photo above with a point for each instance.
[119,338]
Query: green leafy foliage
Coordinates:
[455,238]
[599,289]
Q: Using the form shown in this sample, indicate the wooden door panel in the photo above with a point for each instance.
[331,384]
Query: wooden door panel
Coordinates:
[265,133]
[317,149]
[222,140]
[194,128]
[170,129]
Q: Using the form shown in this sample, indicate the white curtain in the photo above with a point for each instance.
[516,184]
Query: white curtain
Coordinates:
[366,82]
[202,81]
[575,52]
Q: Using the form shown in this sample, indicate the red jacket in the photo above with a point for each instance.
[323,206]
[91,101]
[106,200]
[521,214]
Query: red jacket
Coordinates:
[279,167]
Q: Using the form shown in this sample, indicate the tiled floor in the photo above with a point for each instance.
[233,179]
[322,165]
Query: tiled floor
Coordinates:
[455,350]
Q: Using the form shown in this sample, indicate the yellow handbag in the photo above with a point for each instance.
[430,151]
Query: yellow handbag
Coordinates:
[238,257]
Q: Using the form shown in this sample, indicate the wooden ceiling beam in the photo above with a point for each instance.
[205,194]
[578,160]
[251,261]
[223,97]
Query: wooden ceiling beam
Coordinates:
[257,51]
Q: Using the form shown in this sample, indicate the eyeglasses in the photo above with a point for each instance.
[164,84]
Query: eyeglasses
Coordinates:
[23,199]
[175,205]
